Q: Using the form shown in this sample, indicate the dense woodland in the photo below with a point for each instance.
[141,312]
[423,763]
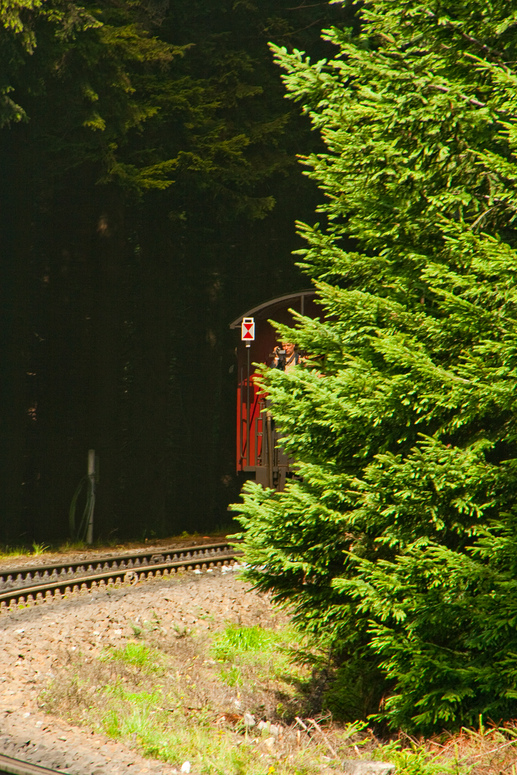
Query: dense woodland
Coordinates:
[149,187]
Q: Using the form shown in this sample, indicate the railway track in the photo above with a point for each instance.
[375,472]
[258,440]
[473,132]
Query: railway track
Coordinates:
[36,584]
[10,766]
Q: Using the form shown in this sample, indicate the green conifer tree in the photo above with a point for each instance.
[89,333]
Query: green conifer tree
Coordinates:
[397,546]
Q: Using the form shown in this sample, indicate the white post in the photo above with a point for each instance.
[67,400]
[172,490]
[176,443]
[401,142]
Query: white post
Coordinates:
[91,499]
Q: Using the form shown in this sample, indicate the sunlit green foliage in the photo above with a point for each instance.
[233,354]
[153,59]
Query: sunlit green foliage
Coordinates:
[397,544]
[269,652]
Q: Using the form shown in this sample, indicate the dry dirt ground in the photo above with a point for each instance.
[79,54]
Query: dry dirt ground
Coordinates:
[39,644]
[36,641]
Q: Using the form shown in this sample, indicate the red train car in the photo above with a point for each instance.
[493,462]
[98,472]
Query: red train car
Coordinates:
[259,454]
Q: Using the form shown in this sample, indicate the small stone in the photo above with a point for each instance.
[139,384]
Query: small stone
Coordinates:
[249,720]
[363,767]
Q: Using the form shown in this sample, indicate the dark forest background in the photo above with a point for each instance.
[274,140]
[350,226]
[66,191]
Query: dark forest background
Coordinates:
[149,188]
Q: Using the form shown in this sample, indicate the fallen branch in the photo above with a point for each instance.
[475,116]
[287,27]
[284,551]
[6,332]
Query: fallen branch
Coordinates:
[322,733]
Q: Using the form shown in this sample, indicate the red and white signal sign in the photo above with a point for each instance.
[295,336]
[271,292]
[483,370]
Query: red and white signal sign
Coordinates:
[248,329]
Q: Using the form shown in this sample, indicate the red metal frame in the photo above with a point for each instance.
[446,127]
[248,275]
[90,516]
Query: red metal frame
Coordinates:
[258,450]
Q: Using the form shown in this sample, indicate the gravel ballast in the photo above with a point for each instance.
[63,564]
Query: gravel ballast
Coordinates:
[36,641]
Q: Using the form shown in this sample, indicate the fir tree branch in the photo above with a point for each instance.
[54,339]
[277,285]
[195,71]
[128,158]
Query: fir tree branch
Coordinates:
[469,38]
[471,100]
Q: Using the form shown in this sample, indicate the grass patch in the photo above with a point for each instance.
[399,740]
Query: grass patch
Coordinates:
[138,655]
[256,654]
[238,641]
[72,546]
[9,552]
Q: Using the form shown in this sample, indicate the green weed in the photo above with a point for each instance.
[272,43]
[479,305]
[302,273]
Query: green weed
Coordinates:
[38,549]
[12,551]
[236,641]
[138,655]
[129,712]
[255,653]
[72,546]
[137,630]
[417,760]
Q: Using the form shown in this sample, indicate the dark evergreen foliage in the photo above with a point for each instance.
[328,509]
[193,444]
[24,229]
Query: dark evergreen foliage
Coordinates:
[147,160]
[397,545]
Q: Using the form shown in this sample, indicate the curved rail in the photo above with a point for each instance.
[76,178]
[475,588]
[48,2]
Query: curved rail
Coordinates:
[10,766]
[37,584]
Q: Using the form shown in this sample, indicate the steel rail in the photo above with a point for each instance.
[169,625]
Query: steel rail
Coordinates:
[26,575]
[10,766]
[47,583]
